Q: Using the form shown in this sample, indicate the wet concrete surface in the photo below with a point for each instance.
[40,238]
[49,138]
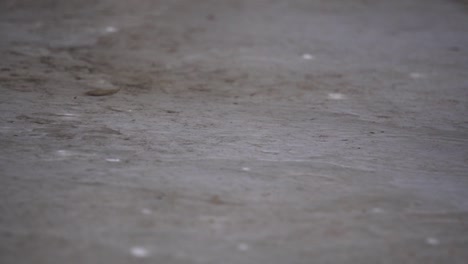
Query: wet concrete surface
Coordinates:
[249,131]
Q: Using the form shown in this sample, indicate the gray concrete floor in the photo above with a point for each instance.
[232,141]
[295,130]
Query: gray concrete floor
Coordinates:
[245,131]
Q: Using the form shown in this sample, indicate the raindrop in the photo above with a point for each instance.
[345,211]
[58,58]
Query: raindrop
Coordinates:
[242,247]
[139,252]
[110,29]
[432,241]
[336,96]
[308,56]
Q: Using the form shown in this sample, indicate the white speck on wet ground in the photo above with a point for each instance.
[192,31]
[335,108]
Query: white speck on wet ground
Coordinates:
[146,211]
[432,241]
[139,252]
[110,29]
[417,75]
[336,96]
[242,247]
[377,210]
[307,56]
[64,153]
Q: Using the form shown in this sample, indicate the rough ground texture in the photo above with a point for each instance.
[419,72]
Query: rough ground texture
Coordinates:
[245,131]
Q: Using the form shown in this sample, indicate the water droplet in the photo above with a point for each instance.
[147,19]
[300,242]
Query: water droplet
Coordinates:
[242,247]
[110,29]
[139,252]
[336,96]
[417,75]
[68,116]
[308,56]
[246,169]
[432,241]
[146,211]
[64,153]
[377,210]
